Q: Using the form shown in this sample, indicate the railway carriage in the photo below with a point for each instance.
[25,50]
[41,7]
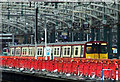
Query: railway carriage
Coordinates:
[83,49]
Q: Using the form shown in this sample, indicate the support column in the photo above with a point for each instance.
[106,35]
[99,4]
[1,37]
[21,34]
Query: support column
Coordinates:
[26,36]
[81,35]
[13,37]
[92,34]
[110,56]
[118,34]
[76,36]
[1,29]
[52,36]
[105,33]
[105,26]
[98,34]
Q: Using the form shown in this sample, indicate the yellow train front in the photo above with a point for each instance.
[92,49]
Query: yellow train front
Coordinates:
[96,50]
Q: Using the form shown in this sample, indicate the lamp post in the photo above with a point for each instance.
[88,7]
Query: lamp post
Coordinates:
[36,12]
[45,29]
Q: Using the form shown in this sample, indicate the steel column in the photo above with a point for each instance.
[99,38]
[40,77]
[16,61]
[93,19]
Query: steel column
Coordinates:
[118,34]
[92,34]
[98,34]
[110,43]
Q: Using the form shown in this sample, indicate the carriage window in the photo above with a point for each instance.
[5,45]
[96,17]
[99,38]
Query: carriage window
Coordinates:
[40,51]
[17,51]
[54,51]
[23,51]
[12,51]
[30,51]
[82,51]
[76,51]
[57,51]
[65,51]
[72,50]
[68,51]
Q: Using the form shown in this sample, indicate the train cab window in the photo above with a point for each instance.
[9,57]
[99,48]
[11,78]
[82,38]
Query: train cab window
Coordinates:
[82,51]
[103,49]
[89,49]
[76,51]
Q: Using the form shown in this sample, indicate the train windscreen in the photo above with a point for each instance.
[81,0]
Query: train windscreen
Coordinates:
[96,48]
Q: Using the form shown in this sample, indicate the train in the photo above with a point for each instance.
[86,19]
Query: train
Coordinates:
[64,50]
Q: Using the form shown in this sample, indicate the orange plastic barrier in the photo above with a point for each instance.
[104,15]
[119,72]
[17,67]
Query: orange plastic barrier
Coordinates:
[99,68]
[67,66]
[105,66]
[92,68]
[119,70]
[0,62]
[43,64]
[47,65]
[80,67]
[36,65]
[51,63]
[113,66]
[86,71]
[60,66]
[74,68]
[55,65]
[83,66]
[39,64]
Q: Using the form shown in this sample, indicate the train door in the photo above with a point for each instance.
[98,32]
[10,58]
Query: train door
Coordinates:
[89,50]
[96,49]
[103,51]
[76,51]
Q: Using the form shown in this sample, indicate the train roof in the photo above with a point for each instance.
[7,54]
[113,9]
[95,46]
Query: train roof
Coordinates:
[96,42]
[58,43]
[51,44]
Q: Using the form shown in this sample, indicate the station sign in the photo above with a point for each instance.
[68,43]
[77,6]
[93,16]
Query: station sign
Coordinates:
[115,51]
[47,51]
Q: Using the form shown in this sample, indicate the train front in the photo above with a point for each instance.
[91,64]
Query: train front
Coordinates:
[96,50]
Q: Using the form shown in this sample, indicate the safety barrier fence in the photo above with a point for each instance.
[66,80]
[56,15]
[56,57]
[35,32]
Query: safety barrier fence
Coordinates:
[84,67]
